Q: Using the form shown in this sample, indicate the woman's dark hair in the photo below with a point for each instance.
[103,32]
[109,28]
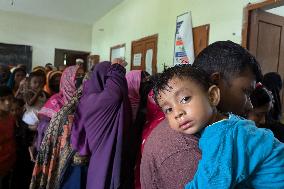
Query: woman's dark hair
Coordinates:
[229,59]
[5,74]
[260,97]
[183,71]
[54,88]
[145,84]
[5,91]
[19,69]
[273,82]
[11,82]
[38,73]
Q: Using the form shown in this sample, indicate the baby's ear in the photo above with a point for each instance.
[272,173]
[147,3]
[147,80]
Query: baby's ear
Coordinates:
[214,95]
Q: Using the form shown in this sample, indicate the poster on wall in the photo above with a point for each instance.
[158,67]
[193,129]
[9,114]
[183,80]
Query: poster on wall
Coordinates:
[117,51]
[149,60]
[137,59]
[183,47]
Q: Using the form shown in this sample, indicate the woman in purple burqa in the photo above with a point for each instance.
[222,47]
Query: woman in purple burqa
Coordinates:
[101,126]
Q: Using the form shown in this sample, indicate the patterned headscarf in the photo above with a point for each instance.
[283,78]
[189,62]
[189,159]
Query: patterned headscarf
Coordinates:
[67,91]
[55,151]
[67,83]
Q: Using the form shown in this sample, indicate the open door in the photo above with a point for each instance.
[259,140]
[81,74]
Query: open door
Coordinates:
[69,57]
[266,41]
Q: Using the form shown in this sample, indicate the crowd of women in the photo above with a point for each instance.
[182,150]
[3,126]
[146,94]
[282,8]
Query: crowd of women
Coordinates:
[76,129]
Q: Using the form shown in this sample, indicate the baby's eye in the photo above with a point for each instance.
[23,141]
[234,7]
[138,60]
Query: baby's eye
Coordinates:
[168,110]
[184,100]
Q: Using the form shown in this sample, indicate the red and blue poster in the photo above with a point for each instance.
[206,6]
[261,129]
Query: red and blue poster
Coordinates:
[183,48]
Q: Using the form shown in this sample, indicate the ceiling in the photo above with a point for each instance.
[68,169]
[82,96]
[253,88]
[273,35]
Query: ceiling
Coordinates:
[83,11]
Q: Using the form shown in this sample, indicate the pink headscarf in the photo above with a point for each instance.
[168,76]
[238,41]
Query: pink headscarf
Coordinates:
[133,81]
[67,90]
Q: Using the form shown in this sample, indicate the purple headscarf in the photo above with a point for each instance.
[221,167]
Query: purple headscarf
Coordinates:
[101,123]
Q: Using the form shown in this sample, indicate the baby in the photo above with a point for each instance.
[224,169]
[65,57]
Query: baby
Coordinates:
[235,153]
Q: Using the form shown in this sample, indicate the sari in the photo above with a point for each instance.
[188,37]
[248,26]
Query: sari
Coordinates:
[57,101]
[55,151]
[53,142]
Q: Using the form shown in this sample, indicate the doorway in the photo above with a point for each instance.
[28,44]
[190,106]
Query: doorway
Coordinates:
[68,57]
[265,37]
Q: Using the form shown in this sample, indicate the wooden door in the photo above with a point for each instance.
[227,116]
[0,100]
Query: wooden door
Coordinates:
[144,54]
[266,41]
[200,38]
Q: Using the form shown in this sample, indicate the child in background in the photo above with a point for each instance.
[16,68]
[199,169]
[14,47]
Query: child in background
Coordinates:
[262,101]
[35,98]
[15,79]
[24,138]
[7,140]
[235,153]
[4,74]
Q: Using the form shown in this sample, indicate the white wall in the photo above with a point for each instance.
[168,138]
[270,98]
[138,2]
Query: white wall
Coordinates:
[134,19]
[44,35]
[278,11]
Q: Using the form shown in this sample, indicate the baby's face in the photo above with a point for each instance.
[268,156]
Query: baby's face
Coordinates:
[186,105]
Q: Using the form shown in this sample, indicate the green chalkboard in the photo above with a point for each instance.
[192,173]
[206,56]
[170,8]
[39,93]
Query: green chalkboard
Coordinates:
[12,55]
